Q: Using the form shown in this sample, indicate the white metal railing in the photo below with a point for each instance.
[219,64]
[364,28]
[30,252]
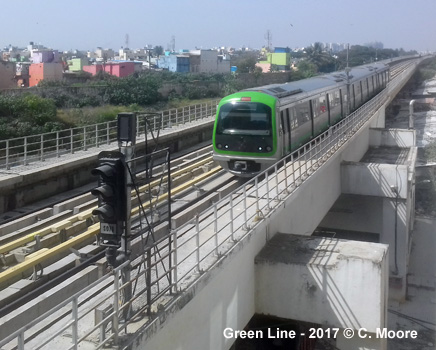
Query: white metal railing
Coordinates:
[174,263]
[24,150]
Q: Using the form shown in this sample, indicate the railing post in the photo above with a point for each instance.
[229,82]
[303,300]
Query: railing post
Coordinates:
[244,194]
[277,181]
[267,188]
[72,140]
[20,340]
[231,217]
[285,165]
[108,140]
[137,128]
[42,148]
[175,261]
[25,151]
[7,155]
[197,241]
[75,316]
[84,138]
[57,144]
[215,227]
[148,281]
[256,185]
[96,135]
[115,321]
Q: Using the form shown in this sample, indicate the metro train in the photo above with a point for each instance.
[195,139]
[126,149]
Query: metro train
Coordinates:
[256,127]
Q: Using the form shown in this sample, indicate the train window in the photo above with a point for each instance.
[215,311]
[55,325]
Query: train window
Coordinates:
[335,106]
[303,112]
[315,108]
[244,118]
[322,106]
[294,119]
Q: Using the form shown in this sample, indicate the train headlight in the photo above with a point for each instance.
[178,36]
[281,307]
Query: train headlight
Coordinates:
[268,149]
[260,149]
[220,146]
[226,146]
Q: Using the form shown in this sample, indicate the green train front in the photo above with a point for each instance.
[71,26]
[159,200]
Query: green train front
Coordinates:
[245,133]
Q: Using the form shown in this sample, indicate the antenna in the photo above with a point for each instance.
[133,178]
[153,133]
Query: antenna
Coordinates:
[268,37]
[173,43]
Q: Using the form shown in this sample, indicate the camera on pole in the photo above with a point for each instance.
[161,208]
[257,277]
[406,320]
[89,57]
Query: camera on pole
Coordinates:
[112,200]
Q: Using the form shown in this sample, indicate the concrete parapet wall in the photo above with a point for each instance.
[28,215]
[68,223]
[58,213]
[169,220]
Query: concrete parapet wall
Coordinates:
[44,179]
[373,179]
[323,280]
[392,138]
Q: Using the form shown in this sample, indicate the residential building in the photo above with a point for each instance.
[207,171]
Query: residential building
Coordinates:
[45,56]
[126,54]
[281,58]
[44,71]
[7,75]
[119,69]
[175,63]
[22,74]
[208,61]
[77,64]
[102,54]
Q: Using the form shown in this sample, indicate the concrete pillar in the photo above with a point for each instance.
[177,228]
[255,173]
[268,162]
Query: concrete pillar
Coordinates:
[395,233]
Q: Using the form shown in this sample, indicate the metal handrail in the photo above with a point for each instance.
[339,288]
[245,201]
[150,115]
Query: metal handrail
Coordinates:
[188,256]
[34,148]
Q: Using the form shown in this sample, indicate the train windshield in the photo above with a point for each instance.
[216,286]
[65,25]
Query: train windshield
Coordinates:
[244,119]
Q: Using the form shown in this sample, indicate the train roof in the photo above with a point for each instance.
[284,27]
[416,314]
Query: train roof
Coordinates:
[319,82]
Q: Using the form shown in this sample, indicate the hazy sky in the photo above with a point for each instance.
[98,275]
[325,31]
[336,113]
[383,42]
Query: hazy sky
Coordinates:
[85,25]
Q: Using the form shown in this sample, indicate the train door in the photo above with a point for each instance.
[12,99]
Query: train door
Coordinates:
[320,115]
[327,96]
[335,106]
[304,131]
[284,132]
[288,124]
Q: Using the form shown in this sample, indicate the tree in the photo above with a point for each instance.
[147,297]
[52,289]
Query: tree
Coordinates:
[158,51]
[246,62]
[320,58]
[306,69]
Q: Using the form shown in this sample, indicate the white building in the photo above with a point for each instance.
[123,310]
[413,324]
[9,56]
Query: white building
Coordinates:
[208,61]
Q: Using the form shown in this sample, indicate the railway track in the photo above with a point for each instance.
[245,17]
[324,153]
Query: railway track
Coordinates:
[62,241]
[54,248]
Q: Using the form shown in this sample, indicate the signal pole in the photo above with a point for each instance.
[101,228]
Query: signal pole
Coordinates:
[114,199]
[126,135]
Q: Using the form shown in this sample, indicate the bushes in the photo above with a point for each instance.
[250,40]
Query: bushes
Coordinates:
[142,90]
[27,115]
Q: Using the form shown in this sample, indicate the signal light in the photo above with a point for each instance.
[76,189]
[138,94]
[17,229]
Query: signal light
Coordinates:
[112,196]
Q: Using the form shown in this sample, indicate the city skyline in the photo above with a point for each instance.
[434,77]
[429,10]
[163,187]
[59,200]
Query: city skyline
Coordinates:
[205,24]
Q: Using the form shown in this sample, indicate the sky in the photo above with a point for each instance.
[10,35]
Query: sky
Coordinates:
[86,25]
